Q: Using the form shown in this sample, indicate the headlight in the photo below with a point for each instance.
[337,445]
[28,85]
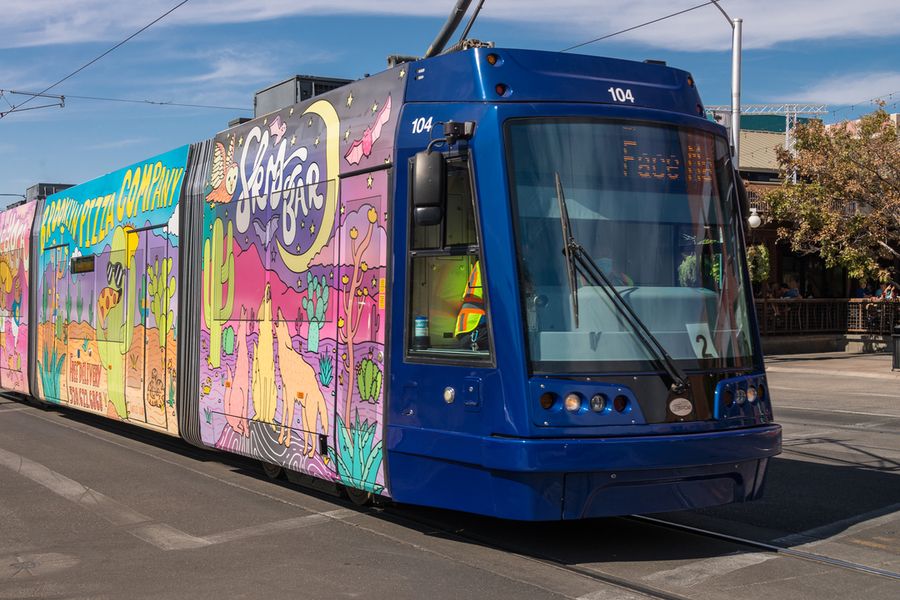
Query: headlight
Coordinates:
[751,394]
[598,402]
[573,402]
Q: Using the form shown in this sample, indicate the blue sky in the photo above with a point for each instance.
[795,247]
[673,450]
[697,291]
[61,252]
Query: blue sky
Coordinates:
[219,52]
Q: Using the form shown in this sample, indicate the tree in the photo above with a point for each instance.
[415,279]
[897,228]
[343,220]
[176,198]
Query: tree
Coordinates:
[845,203]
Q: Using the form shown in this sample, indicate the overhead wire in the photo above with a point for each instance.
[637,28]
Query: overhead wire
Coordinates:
[95,59]
[657,20]
[135,101]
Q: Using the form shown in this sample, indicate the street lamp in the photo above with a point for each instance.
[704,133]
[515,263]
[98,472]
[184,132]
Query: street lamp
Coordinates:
[754,220]
[736,25]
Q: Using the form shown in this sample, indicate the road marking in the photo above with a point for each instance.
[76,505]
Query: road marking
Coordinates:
[114,512]
[871,544]
[796,389]
[163,536]
[613,593]
[699,571]
[837,410]
[833,373]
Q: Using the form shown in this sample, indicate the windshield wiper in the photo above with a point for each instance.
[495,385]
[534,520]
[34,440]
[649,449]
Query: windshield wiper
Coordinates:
[578,259]
[566,236]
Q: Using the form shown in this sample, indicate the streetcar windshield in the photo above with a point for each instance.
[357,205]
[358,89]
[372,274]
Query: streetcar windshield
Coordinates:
[653,206]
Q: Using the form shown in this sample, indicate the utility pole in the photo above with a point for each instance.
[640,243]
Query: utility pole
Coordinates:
[736,27]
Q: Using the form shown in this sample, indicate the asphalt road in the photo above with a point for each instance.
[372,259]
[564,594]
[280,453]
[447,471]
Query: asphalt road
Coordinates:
[92,509]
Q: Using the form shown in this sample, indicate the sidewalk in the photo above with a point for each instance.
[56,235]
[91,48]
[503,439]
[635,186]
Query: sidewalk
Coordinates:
[869,366]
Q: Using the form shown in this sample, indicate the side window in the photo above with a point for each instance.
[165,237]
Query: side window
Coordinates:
[448,312]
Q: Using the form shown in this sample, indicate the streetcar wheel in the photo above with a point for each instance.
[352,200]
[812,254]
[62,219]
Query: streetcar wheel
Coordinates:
[271,471]
[359,497]
[294,477]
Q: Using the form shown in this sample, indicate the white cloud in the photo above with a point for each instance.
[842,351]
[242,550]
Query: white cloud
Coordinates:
[766,22]
[113,144]
[847,89]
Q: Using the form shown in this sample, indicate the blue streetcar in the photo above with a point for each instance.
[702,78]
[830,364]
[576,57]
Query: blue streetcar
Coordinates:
[500,281]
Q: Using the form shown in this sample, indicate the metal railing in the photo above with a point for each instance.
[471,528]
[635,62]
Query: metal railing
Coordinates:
[839,315]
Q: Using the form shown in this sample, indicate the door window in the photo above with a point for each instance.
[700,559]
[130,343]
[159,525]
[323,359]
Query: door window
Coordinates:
[448,306]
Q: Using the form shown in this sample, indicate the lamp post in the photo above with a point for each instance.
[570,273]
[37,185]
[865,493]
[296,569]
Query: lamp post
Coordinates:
[736,27]
[754,220]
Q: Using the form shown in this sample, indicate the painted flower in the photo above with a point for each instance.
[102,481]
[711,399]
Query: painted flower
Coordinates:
[372,215]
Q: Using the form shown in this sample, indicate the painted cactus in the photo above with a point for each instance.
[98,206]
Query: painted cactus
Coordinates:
[228,338]
[368,380]
[218,273]
[326,369]
[162,289]
[315,304]
[116,330]
[357,456]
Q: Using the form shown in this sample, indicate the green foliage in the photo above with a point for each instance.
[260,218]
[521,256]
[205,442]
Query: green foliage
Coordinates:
[228,340]
[368,380]
[846,198]
[687,271]
[90,307]
[218,286]
[315,303]
[357,457]
[207,415]
[326,369]
[50,370]
[758,263]
[162,290]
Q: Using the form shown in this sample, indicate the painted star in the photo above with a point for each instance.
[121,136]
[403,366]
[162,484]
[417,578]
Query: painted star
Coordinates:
[342,209]
[369,181]
[374,107]
[316,142]
[303,225]
[312,228]
[293,140]
[309,123]
[350,100]
[347,134]
[402,72]
[241,141]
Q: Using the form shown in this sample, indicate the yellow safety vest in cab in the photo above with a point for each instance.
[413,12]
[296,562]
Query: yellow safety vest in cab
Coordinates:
[472,310]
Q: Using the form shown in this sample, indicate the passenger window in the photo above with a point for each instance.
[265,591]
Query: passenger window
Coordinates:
[448,310]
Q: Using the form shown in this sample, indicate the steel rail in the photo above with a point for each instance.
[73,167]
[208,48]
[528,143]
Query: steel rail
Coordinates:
[801,554]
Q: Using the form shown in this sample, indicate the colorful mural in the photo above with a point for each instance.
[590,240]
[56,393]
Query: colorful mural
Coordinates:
[294,264]
[108,265]
[15,249]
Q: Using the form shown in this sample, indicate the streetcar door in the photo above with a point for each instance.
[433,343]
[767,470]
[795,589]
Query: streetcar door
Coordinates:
[156,314]
[449,348]
[13,320]
[53,335]
[360,277]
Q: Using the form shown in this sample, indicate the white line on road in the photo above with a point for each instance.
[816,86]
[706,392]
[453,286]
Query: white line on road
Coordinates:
[833,373]
[699,571]
[806,389]
[160,535]
[836,410]
[613,593]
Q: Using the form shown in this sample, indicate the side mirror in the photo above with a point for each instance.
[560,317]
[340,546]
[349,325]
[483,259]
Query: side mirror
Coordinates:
[429,190]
